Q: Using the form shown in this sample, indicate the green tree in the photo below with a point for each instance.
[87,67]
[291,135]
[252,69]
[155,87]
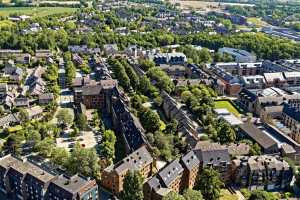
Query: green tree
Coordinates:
[23,115]
[59,156]
[146,64]
[173,196]
[81,121]
[190,194]
[172,127]
[150,120]
[13,143]
[133,186]
[107,145]
[209,184]
[83,161]
[64,117]
[45,147]
[226,133]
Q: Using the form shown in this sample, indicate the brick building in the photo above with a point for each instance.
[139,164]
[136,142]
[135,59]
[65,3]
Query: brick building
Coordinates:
[21,179]
[113,176]
[261,172]
[94,96]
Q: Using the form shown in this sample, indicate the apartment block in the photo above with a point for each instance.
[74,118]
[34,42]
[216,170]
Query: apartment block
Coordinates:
[291,118]
[214,155]
[94,96]
[113,176]
[261,172]
[170,178]
[238,54]
[22,179]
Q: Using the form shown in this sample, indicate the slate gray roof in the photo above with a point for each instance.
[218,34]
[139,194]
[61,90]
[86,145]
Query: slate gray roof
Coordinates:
[71,184]
[190,160]
[10,118]
[91,90]
[170,172]
[211,153]
[257,135]
[154,183]
[28,168]
[134,161]
[46,96]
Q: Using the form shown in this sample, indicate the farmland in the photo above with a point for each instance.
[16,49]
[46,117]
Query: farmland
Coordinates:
[34,11]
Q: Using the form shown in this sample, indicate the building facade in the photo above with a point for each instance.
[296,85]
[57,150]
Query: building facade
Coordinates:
[21,179]
[261,172]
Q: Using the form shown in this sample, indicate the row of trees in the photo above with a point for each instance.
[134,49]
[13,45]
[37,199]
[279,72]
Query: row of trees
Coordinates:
[262,45]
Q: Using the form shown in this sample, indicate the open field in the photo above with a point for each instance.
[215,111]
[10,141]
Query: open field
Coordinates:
[205,5]
[35,11]
[227,104]
[256,21]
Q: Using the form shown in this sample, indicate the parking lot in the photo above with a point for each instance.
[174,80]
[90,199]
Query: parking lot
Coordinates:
[87,139]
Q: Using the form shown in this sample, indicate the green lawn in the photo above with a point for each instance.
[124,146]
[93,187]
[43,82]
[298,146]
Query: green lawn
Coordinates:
[257,21]
[228,105]
[226,195]
[35,11]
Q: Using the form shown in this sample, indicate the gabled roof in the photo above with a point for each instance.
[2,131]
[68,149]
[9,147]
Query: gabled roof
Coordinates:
[170,172]
[257,135]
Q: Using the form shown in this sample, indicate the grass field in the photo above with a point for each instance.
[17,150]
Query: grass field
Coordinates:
[35,11]
[226,195]
[228,106]
[257,21]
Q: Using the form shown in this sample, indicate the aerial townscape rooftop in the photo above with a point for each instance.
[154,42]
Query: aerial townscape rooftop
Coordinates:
[149,100]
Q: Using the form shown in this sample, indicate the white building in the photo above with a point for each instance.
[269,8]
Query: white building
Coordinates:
[238,54]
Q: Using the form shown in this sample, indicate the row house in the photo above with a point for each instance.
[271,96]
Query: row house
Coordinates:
[263,172]
[291,118]
[139,160]
[175,58]
[240,69]
[182,174]
[127,124]
[186,126]
[21,179]
[167,179]
[83,49]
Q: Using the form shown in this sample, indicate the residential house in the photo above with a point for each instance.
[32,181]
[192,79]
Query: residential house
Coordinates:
[74,187]
[34,112]
[263,172]
[214,155]
[175,58]
[187,128]
[94,96]
[139,160]
[8,120]
[21,101]
[46,98]
[110,49]
[127,124]
[191,165]
[14,73]
[265,102]
[22,179]
[291,118]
